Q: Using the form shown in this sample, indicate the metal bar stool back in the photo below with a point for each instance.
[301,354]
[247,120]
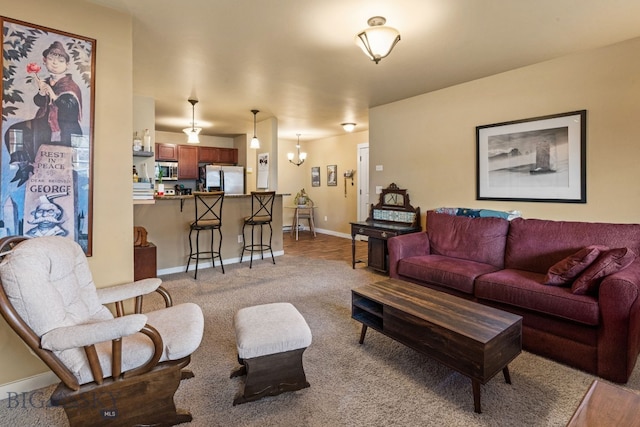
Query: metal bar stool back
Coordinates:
[208,211]
[261,215]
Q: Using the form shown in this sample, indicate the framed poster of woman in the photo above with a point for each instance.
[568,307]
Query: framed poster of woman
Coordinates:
[47,132]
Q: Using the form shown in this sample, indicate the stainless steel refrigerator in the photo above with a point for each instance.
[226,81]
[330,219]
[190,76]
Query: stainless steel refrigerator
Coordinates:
[229,179]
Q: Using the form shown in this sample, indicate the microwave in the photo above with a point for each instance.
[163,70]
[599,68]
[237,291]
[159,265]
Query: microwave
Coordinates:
[169,171]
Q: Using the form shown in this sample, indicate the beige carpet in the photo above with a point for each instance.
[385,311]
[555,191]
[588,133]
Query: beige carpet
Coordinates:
[380,383]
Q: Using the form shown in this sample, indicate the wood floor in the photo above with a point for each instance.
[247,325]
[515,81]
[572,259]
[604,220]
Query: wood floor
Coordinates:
[323,246]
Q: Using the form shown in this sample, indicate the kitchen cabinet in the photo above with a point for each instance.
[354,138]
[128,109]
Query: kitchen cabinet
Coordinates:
[218,155]
[166,152]
[207,154]
[187,162]
[228,155]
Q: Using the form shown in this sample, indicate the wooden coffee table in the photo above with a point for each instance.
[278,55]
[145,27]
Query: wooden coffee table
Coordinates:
[473,339]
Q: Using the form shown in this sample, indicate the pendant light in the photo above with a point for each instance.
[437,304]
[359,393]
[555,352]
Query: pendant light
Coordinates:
[255,143]
[193,131]
[377,40]
[301,156]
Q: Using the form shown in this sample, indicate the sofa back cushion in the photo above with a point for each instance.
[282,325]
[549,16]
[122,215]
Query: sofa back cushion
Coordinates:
[475,239]
[536,244]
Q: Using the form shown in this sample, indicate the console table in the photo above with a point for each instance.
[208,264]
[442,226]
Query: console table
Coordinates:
[392,216]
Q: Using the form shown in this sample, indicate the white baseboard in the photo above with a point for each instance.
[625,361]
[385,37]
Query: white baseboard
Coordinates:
[333,233]
[28,384]
[208,264]
[287,229]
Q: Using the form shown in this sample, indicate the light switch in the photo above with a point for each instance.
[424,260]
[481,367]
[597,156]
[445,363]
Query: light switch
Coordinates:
[378,168]
[378,189]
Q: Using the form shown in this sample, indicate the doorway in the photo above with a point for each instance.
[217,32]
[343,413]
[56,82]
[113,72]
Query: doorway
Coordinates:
[363,181]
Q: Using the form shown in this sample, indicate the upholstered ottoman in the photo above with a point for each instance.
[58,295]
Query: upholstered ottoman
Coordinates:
[270,339]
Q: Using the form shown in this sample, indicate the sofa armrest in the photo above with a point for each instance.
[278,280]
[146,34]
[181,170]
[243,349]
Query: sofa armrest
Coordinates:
[618,341]
[404,246]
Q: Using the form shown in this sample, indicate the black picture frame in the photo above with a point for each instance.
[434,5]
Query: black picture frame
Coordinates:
[540,159]
[47,103]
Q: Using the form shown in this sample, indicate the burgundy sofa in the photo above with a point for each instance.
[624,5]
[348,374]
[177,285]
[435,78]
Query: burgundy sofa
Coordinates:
[504,264]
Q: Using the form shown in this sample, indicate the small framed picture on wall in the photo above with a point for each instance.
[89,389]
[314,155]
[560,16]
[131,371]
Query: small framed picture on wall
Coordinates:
[315,176]
[332,175]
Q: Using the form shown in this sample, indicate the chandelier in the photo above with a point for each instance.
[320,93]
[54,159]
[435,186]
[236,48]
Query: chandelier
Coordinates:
[193,131]
[301,156]
[377,40]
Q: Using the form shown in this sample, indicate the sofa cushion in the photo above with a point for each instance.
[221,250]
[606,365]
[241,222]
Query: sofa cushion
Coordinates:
[453,273]
[475,239]
[526,290]
[535,244]
[565,271]
[607,263]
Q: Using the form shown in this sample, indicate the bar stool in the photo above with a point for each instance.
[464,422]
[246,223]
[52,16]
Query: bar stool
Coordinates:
[261,214]
[208,217]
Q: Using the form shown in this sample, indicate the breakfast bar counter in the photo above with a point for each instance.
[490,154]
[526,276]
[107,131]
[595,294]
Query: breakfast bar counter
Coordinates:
[167,224]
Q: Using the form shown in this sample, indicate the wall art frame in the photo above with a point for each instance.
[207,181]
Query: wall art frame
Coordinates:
[332,175]
[46,157]
[540,159]
[315,176]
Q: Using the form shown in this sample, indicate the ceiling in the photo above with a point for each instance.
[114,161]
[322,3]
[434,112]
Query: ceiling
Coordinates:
[296,60]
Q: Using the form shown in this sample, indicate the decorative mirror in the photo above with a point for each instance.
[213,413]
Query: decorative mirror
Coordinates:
[393,196]
[393,199]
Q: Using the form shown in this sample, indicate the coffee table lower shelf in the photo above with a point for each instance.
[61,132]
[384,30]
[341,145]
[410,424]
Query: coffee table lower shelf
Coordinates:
[473,339]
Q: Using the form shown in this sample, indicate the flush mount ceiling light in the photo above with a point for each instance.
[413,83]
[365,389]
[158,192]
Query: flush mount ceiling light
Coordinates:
[348,127]
[193,131]
[377,40]
[301,156]
[255,143]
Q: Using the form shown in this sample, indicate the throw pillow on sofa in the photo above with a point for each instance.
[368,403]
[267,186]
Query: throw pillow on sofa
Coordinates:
[566,270]
[607,263]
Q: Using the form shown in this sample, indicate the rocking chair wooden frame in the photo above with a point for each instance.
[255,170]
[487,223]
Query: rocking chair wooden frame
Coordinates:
[140,396]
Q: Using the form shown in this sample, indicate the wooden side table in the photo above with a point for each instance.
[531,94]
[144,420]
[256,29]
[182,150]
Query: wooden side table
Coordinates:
[144,262]
[607,405]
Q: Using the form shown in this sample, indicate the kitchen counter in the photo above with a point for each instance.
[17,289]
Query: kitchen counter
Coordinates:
[167,224]
[226,196]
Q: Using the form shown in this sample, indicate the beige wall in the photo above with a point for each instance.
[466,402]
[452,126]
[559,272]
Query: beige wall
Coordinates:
[427,143]
[112,260]
[331,201]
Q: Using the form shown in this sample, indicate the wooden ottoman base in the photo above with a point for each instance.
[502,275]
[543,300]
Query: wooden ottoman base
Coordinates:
[271,375]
